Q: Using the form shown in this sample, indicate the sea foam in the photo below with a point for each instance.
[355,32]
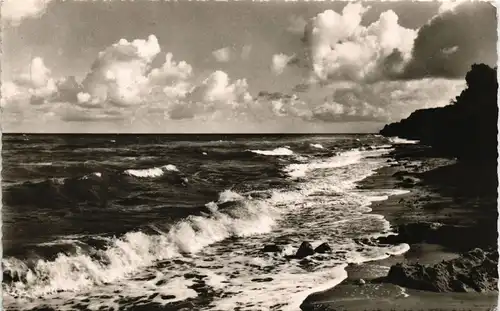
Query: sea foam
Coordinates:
[317,146]
[151,172]
[135,250]
[275,152]
[397,140]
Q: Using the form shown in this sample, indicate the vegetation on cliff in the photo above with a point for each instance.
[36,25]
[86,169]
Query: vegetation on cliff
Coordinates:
[465,129]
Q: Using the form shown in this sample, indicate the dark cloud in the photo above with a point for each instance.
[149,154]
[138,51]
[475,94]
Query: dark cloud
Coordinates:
[451,42]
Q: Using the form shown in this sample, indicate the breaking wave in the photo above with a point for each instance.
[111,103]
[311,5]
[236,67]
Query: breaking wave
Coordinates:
[397,140]
[317,146]
[297,170]
[324,206]
[134,250]
[151,172]
[276,152]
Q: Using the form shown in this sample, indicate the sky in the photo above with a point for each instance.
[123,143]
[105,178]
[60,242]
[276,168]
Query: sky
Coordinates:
[232,67]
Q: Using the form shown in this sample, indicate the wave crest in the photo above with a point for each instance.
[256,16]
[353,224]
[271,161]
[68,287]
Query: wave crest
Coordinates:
[151,172]
[275,152]
[134,250]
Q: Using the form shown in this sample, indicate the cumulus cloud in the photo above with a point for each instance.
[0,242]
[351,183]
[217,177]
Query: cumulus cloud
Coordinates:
[14,11]
[122,85]
[338,47]
[462,34]
[389,101]
[279,62]
[35,84]
[449,5]
[382,101]
[119,75]
[335,112]
[222,55]
[217,88]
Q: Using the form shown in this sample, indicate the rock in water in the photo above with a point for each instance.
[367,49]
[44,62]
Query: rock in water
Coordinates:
[304,250]
[475,270]
[272,248]
[323,248]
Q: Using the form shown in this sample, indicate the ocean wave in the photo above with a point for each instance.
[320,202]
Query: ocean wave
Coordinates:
[297,170]
[134,250]
[317,146]
[397,140]
[94,188]
[229,196]
[151,172]
[275,152]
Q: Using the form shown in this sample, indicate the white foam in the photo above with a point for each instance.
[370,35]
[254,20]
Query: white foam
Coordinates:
[151,172]
[297,170]
[229,196]
[397,140]
[137,249]
[275,152]
[403,292]
[324,207]
[288,289]
[317,146]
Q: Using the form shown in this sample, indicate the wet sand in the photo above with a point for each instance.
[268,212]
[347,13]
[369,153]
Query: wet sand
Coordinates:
[461,197]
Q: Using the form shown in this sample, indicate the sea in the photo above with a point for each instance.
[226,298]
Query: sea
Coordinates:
[179,222]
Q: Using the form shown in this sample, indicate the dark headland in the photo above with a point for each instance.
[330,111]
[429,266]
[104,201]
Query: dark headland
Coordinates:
[449,217]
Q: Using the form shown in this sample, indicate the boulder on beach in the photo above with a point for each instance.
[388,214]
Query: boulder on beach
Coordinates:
[304,250]
[323,248]
[475,270]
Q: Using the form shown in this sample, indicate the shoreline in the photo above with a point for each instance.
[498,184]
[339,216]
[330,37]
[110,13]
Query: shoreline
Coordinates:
[428,201]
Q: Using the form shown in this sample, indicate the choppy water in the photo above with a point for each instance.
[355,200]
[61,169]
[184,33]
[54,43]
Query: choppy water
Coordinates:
[158,222]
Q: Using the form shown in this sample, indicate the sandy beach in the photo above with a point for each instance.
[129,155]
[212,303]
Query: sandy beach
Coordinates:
[460,198]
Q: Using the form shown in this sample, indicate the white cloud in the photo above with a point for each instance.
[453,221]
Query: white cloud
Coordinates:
[171,71]
[217,88]
[119,75]
[340,48]
[14,11]
[449,5]
[279,62]
[83,97]
[35,84]
[222,55]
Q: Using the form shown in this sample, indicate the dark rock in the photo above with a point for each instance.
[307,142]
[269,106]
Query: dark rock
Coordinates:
[166,297]
[304,250]
[272,248]
[323,248]
[262,279]
[442,234]
[475,270]
[190,275]
[152,296]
